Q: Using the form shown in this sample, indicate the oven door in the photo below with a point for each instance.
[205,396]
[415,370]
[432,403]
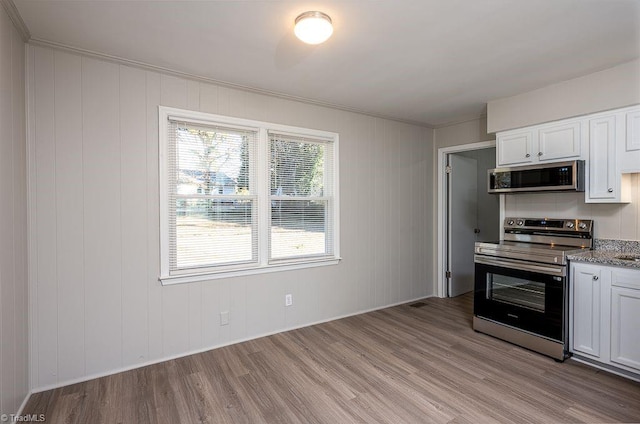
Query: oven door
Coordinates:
[524,295]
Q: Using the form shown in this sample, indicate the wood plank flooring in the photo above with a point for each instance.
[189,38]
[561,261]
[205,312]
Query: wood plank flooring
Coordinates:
[397,365]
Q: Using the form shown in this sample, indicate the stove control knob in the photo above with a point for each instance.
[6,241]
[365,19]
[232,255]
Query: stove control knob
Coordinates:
[511,222]
[520,222]
[582,226]
[570,225]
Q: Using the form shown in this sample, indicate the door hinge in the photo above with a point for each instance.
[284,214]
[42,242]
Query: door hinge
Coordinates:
[447,169]
[447,274]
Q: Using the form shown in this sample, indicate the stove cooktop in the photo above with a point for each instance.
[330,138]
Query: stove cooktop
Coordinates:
[536,252]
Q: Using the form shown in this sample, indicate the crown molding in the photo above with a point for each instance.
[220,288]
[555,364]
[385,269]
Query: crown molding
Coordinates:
[167,71]
[15,17]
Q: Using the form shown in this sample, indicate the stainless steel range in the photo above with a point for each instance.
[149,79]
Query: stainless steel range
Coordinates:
[521,283]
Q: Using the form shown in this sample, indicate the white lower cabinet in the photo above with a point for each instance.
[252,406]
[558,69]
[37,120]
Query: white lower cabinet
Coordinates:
[605,307]
[586,310]
[625,318]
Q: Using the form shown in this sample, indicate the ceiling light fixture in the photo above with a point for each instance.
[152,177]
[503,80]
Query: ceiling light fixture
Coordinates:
[313,27]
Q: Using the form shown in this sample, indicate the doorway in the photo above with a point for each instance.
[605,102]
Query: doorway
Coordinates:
[467,213]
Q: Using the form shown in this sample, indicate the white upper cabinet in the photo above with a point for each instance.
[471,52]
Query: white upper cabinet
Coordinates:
[608,142]
[603,178]
[606,183]
[549,142]
[630,161]
[559,141]
[514,147]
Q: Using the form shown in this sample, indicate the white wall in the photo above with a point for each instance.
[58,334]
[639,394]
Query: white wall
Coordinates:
[466,132]
[612,221]
[608,89]
[94,157]
[13,221]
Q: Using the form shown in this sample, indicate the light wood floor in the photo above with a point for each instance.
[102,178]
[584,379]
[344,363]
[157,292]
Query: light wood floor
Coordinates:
[397,365]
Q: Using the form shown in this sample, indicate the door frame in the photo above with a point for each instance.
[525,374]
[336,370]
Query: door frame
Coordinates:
[442,216]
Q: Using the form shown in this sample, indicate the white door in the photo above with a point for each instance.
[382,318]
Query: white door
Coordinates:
[463,221]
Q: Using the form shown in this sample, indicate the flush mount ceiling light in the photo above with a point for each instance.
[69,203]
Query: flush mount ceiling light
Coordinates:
[313,27]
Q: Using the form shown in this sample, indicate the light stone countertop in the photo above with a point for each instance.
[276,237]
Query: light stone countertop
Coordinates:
[606,252]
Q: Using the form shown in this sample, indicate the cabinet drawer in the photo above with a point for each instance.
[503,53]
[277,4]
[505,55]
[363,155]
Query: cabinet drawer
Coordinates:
[627,278]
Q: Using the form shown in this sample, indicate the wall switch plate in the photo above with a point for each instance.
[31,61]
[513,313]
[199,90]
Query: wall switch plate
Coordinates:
[288,300]
[224,318]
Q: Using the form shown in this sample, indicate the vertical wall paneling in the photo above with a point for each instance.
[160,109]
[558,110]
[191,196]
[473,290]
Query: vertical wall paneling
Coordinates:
[32,265]
[14,314]
[175,299]
[209,98]
[126,316]
[154,289]
[366,206]
[7,272]
[69,213]
[133,214]
[102,220]
[46,284]
[21,343]
[195,290]
[210,309]
[264,305]
[235,296]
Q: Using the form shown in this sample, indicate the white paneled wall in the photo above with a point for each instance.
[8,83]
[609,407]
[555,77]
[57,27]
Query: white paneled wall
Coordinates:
[14,314]
[94,164]
[612,221]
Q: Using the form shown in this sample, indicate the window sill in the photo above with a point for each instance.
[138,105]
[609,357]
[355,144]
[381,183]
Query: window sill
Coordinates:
[191,278]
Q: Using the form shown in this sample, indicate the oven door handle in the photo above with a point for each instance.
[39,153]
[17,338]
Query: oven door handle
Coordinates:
[560,271]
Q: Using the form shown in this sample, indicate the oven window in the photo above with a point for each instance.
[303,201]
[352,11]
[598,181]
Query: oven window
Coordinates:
[516,291]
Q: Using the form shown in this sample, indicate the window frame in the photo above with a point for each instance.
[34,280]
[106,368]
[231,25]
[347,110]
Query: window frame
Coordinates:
[262,198]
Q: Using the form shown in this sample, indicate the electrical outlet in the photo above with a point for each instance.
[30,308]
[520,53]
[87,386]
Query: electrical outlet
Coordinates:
[224,318]
[288,300]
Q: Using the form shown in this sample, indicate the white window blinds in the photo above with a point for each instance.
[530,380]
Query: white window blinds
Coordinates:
[212,202]
[301,219]
[239,197]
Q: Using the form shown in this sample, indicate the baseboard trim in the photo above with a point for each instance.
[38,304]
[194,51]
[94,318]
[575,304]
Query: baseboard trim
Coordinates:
[206,349]
[613,370]
[24,403]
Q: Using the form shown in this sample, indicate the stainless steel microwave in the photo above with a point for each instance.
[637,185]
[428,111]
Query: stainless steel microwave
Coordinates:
[559,176]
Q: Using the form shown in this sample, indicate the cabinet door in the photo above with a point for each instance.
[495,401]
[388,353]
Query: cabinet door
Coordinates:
[514,148]
[625,327]
[602,149]
[625,317]
[586,310]
[633,131]
[630,161]
[560,141]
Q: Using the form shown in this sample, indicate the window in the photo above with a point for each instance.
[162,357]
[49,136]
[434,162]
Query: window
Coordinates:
[240,197]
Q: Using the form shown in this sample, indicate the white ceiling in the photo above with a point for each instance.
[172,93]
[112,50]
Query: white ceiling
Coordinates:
[427,61]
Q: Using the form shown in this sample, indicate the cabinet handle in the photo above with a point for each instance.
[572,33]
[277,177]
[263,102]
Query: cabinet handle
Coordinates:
[539,153]
[610,190]
[595,278]
[527,155]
